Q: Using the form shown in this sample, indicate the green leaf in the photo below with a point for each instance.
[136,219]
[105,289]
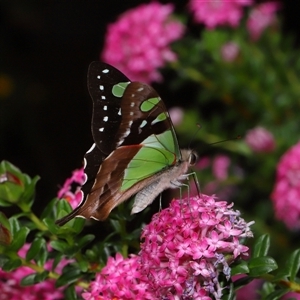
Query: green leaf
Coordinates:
[36,246]
[229,293]
[276,295]
[58,258]
[3,260]
[49,209]
[85,240]
[34,278]
[63,208]
[19,239]
[42,256]
[261,265]
[59,245]
[83,265]
[4,221]
[28,195]
[70,293]
[14,225]
[50,223]
[261,246]
[12,264]
[69,276]
[78,225]
[241,268]
[5,232]
[293,264]
[242,282]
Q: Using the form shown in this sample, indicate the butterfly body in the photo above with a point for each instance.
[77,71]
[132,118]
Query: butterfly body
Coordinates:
[135,150]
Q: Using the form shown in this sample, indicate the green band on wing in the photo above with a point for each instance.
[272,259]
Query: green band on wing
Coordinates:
[118,89]
[161,117]
[149,104]
[157,153]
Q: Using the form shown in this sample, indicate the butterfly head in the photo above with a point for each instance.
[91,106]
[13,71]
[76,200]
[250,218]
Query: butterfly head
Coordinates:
[189,156]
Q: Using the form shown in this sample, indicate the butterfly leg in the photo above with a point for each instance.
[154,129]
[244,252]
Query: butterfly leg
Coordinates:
[160,202]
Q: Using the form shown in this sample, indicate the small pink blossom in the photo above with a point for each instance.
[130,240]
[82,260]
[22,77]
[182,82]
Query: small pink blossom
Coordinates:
[230,51]
[138,43]
[73,197]
[176,115]
[261,17]
[286,192]
[218,12]
[220,167]
[260,139]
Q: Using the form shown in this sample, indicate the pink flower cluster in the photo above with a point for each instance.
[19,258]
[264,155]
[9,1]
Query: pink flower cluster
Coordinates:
[183,253]
[218,12]
[138,43]
[261,17]
[260,139]
[286,192]
[73,197]
[11,289]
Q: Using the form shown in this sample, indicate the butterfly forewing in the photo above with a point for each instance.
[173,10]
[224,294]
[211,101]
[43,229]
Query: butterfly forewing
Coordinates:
[135,145]
[106,117]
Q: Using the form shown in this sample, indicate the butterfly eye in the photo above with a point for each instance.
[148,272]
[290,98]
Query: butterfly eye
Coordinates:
[193,158]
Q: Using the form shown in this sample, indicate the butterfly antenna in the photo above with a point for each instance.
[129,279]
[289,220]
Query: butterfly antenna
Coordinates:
[238,137]
[195,134]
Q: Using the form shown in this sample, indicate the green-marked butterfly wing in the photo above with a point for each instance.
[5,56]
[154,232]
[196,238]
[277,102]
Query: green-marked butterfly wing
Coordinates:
[135,150]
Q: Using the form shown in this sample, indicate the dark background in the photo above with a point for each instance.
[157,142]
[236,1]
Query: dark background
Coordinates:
[45,108]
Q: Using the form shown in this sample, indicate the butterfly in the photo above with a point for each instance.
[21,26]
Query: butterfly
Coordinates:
[135,150]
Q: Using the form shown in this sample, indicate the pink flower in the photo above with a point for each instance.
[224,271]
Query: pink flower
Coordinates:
[218,12]
[186,260]
[230,51]
[220,167]
[138,43]
[119,279]
[261,17]
[286,192]
[291,295]
[176,115]
[260,139]
[182,254]
[10,282]
[73,197]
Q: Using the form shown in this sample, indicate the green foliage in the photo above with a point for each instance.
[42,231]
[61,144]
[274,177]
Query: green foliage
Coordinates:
[87,256]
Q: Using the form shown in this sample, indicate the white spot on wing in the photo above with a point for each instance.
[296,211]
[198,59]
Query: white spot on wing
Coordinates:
[98,77]
[101,129]
[131,113]
[143,124]
[103,97]
[105,71]
[92,148]
[105,107]
[119,112]
[101,87]
[105,118]
[140,89]
[132,104]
